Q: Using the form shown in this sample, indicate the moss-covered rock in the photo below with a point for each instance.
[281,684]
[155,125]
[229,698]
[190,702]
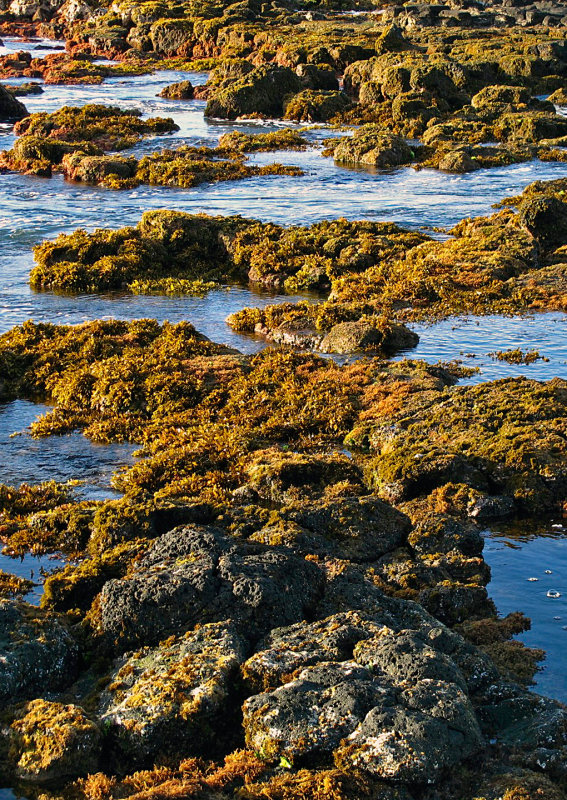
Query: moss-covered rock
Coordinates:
[372,146]
[174,698]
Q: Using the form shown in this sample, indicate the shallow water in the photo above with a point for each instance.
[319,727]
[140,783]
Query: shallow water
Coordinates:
[517,554]
[34,209]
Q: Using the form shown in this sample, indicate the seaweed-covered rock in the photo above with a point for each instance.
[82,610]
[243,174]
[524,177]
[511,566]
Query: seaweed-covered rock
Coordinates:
[196,575]
[53,742]
[348,337]
[317,77]
[372,146]
[313,105]
[11,109]
[36,650]
[546,219]
[183,90]
[261,92]
[174,698]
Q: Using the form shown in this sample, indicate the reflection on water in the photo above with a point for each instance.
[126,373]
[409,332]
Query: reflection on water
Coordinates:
[57,458]
[517,554]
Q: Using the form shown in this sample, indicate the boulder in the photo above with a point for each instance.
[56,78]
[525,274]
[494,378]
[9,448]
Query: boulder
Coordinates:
[375,147]
[11,110]
[261,92]
[195,575]
[36,650]
[173,698]
[183,90]
[313,105]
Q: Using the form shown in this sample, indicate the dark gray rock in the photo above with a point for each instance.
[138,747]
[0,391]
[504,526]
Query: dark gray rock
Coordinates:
[37,652]
[194,575]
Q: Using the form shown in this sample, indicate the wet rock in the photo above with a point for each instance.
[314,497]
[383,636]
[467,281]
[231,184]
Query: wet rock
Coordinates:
[374,147]
[195,575]
[183,90]
[95,169]
[11,109]
[53,742]
[349,337]
[36,650]
[458,161]
[173,698]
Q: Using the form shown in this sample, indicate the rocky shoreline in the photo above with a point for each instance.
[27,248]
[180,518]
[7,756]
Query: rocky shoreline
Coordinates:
[288,599]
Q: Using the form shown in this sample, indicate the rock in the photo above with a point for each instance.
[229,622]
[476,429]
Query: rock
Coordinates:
[317,77]
[391,40]
[313,713]
[458,161]
[442,533]
[431,728]
[287,651]
[36,650]
[183,90]
[195,575]
[349,337]
[374,147]
[11,109]
[546,219]
[24,89]
[358,529]
[174,698]
[529,127]
[498,98]
[94,169]
[282,477]
[53,742]
[350,709]
[559,97]
[316,105]
[261,92]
